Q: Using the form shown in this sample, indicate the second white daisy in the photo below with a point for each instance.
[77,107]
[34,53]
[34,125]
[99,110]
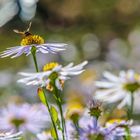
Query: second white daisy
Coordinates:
[118,88]
[52,72]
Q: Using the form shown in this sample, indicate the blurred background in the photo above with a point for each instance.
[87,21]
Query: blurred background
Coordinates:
[106,33]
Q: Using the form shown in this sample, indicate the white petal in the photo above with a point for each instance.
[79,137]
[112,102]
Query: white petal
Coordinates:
[58,85]
[110,76]
[104,84]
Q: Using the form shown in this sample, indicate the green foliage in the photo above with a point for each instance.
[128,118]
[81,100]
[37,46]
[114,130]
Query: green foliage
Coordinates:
[41,95]
[53,133]
[54,113]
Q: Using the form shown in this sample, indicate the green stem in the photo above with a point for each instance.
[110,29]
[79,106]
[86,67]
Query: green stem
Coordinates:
[130,108]
[128,136]
[76,124]
[35,62]
[58,101]
[47,104]
[132,105]
[33,51]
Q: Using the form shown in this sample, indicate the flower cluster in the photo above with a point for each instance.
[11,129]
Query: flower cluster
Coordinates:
[71,119]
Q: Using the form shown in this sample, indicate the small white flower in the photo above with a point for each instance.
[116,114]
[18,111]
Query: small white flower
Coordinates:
[52,71]
[24,117]
[118,89]
[9,135]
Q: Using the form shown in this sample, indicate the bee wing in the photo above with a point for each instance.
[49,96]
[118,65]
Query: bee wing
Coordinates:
[18,32]
[28,29]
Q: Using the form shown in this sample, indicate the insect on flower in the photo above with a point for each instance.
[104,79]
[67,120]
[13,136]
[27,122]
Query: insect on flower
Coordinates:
[30,40]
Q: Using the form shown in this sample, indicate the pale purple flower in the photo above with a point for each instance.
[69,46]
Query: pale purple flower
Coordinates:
[111,131]
[62,73]
[43,48]
[24,117]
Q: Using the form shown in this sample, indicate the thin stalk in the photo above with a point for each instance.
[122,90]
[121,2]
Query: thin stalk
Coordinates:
[132,105]
[35,61]
[128,136]
[130,108]
[47,104]
[76,124]
[58,101]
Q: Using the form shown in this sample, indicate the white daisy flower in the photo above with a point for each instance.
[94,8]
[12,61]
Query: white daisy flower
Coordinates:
[52,71]
[29,40]
[23,117]
[9,135]
[118,89]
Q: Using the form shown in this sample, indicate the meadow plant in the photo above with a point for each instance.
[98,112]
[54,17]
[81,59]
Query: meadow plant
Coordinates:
[73,120]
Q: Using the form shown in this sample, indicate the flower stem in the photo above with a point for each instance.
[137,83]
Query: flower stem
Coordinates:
[47,104]
[33,51]
[128,136]
[132,105]
[59,103]
[130,108]
[76,124]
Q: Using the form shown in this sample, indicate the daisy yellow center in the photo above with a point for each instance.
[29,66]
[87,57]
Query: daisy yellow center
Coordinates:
[74,110]
[17,121]
[132,87]
[53,76]
[50,66]
[31,40]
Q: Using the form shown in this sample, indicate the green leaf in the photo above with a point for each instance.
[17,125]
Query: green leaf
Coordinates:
[53,134]
[41,95]
[54,113]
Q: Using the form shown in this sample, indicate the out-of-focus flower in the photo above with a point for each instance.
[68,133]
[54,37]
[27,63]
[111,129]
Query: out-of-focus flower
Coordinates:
[124,128]
[28,42]
[45,135]
[113,129]
[95,108]
[52,72]
[28,9]
[23,117]
[8,9]
[9,135]
[118,89]
[75,106]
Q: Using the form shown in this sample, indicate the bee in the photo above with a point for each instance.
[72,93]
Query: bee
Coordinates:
[24,33]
